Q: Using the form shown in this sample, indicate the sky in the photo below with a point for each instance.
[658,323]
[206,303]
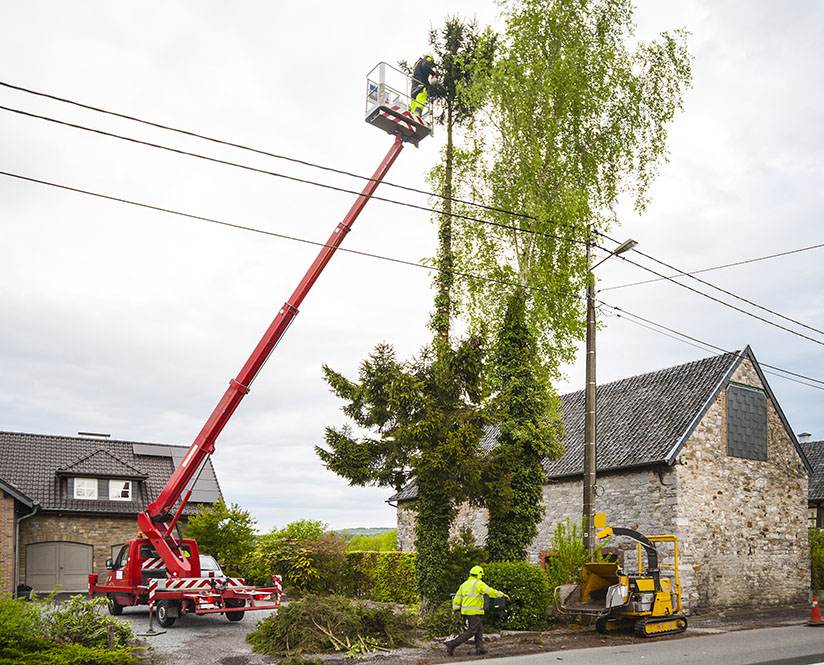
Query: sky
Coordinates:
[131,322]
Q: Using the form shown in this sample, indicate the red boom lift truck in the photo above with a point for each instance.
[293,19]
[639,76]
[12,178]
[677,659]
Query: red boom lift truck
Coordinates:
[163,570]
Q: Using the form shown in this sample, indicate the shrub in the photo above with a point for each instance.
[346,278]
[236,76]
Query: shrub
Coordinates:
[74,633]
[384,542]
[441,621]
[528,589]
[79,621]
[318,624]
[567,554]
[308,559]
[816,559]
[225,532]
[382,576]
[463,555]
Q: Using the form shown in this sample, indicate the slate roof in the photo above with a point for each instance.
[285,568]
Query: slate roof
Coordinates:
[36,465]
[642,420]
[814,452]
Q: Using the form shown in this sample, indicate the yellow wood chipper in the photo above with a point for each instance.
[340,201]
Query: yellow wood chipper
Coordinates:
[648,600]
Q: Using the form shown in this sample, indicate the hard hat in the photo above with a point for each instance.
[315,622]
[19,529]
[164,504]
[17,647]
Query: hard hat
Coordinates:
[477,571]
[429,58]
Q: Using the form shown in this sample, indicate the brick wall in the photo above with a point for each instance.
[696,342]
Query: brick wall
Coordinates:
[742,523]
[6,543]
[99,532]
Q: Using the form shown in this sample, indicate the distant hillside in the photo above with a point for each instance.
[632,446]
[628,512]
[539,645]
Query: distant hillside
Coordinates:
[363,531]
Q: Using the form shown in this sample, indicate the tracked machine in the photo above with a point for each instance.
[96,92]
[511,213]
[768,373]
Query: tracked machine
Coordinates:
[647,601]
[161,568]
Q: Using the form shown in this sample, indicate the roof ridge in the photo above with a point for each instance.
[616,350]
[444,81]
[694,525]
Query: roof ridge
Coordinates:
[653,372]
[92,438]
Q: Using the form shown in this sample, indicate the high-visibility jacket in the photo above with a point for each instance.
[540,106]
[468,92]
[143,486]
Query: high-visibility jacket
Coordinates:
[470,596]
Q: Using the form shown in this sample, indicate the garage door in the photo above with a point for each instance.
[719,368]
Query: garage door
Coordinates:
[65,564]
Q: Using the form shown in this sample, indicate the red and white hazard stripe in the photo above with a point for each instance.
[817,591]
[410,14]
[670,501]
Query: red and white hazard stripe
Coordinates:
[152,592]
[152,564]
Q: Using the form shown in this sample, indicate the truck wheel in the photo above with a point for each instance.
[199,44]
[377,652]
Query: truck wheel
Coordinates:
[164,613]
[234,602]
[115,608]
[235,616]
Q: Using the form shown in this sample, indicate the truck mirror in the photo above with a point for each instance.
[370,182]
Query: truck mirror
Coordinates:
[109,564]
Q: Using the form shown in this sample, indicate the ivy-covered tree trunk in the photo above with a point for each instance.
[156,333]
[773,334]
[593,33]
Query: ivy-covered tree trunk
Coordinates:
[445,260]
[435,512]
[525,411]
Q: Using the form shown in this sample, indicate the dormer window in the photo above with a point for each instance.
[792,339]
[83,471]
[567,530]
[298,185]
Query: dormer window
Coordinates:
[85,488]
[120,490]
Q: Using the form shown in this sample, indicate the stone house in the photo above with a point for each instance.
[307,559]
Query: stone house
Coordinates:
[68,503]
[814,452]
[701,450]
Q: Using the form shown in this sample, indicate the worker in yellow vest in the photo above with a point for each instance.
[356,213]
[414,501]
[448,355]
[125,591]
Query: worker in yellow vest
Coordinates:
[420,90]
[469,601]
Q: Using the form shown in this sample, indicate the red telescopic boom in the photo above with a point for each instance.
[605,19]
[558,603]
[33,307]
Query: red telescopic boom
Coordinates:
[157,522]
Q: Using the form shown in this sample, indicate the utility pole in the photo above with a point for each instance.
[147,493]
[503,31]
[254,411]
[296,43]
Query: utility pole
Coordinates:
[589,412]
[590,421]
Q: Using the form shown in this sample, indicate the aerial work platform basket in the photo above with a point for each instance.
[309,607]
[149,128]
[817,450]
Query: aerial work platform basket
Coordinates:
[388,99]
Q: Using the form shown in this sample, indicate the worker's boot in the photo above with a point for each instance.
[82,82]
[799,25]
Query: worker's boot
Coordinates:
[450,648]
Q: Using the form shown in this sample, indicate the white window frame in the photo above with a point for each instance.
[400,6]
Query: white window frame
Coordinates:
[117,486]
[89,491]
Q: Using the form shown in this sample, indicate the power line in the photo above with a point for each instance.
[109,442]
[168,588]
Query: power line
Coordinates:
[721,302]
[722,290]
[621,311]
[725,265]
[243,227]
[259,151]
[404,187]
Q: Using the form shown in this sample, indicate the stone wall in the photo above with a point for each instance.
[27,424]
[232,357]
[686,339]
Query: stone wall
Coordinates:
[473,518]
[99,532]
[6,543]
[742,523]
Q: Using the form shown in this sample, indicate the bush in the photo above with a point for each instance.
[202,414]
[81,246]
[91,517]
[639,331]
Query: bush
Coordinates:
[383,576]
[43,633]
[463,555]
[567,554]
[816,559]
[225,532]
[309,559]
[441,621]
[528,589]
[318,624]
[385,542]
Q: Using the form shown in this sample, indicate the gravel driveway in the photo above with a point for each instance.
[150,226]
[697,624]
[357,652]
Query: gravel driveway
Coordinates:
[209,639]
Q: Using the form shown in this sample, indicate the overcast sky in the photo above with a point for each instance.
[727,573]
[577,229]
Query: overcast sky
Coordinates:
[131,322]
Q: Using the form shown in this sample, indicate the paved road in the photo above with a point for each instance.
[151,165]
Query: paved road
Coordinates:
[206,640]
[793,645]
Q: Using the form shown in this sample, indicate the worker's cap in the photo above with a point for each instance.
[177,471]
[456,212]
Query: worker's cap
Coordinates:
[477,571]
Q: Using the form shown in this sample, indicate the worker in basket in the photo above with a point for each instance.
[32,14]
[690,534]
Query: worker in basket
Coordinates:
[469,601]
[424,68]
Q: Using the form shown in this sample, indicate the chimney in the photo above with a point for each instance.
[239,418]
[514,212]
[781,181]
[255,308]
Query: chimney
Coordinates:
[804,437]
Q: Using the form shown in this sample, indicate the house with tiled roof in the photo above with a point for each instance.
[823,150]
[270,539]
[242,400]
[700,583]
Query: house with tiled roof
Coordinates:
[68,503]
[701,450]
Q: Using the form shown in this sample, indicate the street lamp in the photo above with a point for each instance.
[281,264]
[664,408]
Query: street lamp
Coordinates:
[589,409]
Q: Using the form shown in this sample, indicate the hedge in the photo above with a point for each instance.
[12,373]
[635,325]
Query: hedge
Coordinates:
[528,589]
[383,576]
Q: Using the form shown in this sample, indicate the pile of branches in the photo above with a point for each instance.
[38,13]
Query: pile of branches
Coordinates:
[322,624]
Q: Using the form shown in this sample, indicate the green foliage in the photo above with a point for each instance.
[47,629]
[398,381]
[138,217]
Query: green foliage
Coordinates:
[441,621]
[225,532]
[528,589]
[382,576]
[528,414]
[816,559]
[567,554]
[303,553]
[426,418]
[75,632]
[463,555]
[79,621]
[318,624]
[385,542]
[576,117]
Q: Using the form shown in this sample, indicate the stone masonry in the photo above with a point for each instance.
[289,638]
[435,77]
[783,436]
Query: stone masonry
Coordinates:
[741,523]
[6,543]
[100,532]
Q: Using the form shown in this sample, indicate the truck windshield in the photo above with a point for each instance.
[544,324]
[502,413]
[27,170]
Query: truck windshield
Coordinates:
[208,564]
